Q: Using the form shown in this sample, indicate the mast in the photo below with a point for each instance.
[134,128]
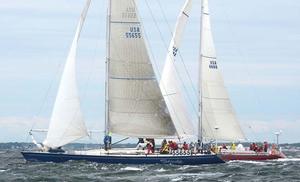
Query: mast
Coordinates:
[107,67]
[200,106]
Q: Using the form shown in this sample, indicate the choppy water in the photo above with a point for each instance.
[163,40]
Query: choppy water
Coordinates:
[14,168]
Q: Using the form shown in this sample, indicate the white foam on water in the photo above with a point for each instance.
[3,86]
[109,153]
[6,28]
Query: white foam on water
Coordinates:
[177,175]
[187,166]
[2,170]
[131,169]
[161,170]
[177,179]
[104,168]
[288,159]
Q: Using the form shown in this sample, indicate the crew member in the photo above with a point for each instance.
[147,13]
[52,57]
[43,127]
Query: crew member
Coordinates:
[107,141]
[185,147]
[233,147]
[266,146]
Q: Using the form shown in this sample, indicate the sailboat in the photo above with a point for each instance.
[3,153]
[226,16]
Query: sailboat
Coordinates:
[136,104]
[218,118]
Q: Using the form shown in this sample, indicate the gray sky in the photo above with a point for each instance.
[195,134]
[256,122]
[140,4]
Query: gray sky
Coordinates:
[257,42]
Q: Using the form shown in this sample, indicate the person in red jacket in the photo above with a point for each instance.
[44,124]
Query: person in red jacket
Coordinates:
[185,147]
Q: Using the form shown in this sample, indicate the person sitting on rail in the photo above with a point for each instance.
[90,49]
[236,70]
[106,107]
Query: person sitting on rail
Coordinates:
[152,141]
[260,148]
[163,143]
[185,147]
[141,145]
[233,147]
[240,147]
[199,147]
[149,148]
[266,146]
[274,149]
[251,146]
[173,146]
[164,147]
[192,147]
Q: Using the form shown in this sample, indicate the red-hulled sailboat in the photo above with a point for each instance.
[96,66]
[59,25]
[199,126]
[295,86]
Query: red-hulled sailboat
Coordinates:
[251,154]
[217,116]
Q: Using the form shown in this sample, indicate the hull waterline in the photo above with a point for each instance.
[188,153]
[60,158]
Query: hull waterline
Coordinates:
[124,159]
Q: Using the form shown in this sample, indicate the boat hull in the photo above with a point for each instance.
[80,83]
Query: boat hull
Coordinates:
[128,159]
[251,156]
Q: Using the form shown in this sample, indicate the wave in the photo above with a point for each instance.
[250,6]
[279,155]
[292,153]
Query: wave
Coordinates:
[131,169]
[161,170]
[187,166]
[206,174]
[177,179]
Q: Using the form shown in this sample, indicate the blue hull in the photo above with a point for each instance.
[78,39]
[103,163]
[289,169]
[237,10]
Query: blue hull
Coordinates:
[117,159]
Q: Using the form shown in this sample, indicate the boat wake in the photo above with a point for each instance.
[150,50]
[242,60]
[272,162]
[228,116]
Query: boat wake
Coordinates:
[289,159]
[250,162]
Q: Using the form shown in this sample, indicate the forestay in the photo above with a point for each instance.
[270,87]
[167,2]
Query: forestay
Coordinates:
[169,83]
[218,120]
[67,124]
[135,103]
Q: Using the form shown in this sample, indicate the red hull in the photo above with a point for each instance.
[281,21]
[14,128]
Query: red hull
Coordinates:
[249,156]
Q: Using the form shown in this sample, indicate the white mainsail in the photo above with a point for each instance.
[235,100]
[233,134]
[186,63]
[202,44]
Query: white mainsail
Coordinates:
[67,124]
[169,83]
[135,103]
[218,119]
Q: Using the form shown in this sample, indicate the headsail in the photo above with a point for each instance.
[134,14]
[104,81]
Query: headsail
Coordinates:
[218,119]
[135,104]
[66,124]
[169,83]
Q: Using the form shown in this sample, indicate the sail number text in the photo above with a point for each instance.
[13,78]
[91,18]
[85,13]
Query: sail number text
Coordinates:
[133,33]
[213,65]
[130,13]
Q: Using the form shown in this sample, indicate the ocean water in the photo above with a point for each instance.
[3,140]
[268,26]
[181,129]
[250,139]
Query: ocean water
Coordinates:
[14,168]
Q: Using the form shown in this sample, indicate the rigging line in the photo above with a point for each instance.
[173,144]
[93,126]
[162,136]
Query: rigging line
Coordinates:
[44,100]
[164,43]
[176,69]
[157,67]
[179,53]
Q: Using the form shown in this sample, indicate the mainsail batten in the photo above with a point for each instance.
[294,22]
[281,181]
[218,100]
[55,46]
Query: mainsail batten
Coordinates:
[135,104]
[66,123]
[218,118]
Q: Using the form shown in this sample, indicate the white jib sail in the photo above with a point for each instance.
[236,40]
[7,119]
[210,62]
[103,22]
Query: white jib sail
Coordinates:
[136,106]
[169,83]
[67,124]
[219,120]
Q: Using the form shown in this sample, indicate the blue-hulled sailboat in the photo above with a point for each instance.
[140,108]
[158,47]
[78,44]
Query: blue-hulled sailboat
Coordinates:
[136,104]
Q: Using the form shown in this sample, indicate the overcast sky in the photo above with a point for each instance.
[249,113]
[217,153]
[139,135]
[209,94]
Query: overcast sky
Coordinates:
[257,43]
